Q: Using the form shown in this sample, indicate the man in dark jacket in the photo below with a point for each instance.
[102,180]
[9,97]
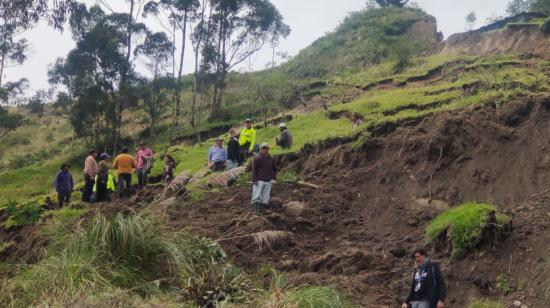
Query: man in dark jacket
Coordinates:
[235,157]
[263,172]
[427,285]
[64,184]
[285,140]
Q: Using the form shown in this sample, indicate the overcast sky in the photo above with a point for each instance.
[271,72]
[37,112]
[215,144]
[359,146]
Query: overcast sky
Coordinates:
[308,19]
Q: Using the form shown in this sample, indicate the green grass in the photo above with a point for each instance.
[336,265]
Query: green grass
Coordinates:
[130,258]
[464,225]
[485,303]
[308,128]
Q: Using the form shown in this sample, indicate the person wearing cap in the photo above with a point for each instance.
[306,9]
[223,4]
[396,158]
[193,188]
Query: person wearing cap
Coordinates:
[90,171]
[125,165]
[104,183]
[144,157]
[285,140]
[247,139]
[235,157]
[264,171]
[217,156]
[64,184]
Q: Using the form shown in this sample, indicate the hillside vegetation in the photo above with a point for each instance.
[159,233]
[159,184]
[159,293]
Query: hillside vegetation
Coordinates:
[350,87]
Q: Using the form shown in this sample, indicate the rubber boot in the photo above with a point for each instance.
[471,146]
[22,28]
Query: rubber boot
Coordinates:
[255,207]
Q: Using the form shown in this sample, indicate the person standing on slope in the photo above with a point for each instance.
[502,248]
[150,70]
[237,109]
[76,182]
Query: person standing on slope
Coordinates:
[104,183]
[247,139]
[64,184]
[427,286]
[144,158]
[264,171]
[285,140]
[125,165]
[90,171]
[235,157]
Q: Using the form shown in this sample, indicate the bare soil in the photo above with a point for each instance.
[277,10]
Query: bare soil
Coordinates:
[357,230]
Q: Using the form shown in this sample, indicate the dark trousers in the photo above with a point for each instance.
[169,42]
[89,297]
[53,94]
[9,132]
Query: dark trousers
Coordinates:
[218,166]
[63,196]
[142,177]
[124,184]
[102,194]
[88,188]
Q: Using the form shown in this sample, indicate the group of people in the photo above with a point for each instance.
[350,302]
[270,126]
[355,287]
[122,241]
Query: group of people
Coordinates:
[242,145]
[99,184]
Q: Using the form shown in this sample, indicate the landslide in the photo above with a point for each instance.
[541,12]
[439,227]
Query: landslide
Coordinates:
[518,34]
[375,200]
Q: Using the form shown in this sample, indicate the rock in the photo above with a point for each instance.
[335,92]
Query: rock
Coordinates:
[408,239]
[413,222]
[398,252]
[481,283]
[517,304]
[295,208]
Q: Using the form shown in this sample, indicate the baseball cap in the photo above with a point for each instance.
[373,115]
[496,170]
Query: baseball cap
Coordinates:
[264,145]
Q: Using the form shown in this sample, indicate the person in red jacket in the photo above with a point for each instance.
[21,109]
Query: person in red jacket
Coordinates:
[264,171]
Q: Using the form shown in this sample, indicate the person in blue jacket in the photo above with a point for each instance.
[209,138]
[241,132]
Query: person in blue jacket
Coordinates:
[64,184]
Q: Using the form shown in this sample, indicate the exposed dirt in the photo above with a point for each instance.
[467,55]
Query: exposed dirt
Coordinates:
[519,37]
[374,202]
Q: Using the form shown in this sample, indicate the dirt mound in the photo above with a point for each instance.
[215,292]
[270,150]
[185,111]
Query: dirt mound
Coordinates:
[374,202]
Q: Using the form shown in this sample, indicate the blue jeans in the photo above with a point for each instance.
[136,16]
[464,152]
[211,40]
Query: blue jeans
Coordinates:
[142,177]
[420,304]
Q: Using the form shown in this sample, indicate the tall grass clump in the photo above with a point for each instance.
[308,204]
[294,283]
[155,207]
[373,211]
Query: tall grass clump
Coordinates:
[464,225]
[281,296]
[127,259]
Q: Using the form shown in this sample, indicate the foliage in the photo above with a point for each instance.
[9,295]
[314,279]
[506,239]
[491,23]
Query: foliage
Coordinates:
[397,3]
[504,285]
[128,257]
[22,214]
[280,296]
[471,20]
[364,38]
[485,303]
[463,225]
[545,27]
[9,122]
[521,6]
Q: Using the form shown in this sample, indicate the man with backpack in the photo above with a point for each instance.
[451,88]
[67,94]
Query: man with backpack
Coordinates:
[427,286]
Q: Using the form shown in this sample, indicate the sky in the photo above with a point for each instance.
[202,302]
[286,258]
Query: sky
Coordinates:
[308,19]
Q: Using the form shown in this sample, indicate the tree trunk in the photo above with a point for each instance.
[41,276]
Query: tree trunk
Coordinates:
[180,74]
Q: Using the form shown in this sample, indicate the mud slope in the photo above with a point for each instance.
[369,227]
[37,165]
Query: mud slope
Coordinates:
[512,35]
[374,203]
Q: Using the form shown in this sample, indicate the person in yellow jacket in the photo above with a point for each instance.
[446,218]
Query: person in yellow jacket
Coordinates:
[125,164]
[247,139]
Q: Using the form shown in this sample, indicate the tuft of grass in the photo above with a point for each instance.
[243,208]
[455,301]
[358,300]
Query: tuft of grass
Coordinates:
[269,238]
[127,259]
[279,296]
[485,303]
[463,225]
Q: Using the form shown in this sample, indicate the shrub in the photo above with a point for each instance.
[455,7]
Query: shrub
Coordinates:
[545,27]
[22,214]
[464,225]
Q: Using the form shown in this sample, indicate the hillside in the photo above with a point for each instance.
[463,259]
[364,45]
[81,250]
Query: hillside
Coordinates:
[389,144]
